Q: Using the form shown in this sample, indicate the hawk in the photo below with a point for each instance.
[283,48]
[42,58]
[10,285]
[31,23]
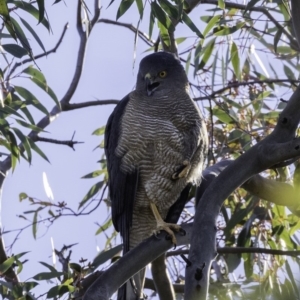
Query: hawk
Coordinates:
[155,145]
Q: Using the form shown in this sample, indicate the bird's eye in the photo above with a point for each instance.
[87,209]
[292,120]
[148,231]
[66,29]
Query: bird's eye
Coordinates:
[162,74]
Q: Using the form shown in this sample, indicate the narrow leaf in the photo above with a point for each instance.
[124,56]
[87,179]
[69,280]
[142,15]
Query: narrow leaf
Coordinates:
[207,53]
[30,126]
[170,9]
[29,8]
[211,24]
[104,227]
[92,192]
[140,6]
[31,30]
[104,256]
[34,224]
[27,114]
[24,142]
[221,4]
[48,90]
[94,174]
[162,17]
[51,268]
[15,50]
[36,74]
[47,275]
[250,4]
[41,6]
[151,23]
[4,9]
[186,19]
[292,278]
[7,264]
[31,99]
[21,35]
[235,60]
[164,33]
[124,6]
[34,147]
[10,111]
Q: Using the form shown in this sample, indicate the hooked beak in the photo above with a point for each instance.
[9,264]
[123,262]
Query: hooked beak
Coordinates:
[151,85]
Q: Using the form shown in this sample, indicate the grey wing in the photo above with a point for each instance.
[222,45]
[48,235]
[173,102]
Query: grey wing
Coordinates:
[122,186]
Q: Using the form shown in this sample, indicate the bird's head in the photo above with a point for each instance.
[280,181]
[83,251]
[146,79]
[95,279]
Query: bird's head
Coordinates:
[160,71]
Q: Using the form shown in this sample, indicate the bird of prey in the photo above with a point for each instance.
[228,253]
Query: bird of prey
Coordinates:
[155,145]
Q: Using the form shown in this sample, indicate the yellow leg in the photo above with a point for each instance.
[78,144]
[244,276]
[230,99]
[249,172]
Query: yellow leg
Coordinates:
[162,225]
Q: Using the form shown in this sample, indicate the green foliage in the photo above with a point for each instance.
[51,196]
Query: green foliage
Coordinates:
[18,100]
[231,56]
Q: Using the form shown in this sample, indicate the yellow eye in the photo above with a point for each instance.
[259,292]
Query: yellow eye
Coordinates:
[162,74]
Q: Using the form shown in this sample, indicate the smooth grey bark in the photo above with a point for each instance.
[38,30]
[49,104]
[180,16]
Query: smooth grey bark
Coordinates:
[162,282]
[154,248]
[280,145]
[133,261]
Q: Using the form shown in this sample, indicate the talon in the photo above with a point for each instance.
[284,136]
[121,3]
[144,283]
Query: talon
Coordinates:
[162,225]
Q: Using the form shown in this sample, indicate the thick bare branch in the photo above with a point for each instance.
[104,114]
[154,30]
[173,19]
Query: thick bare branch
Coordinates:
[296,19]
[131,263]
[277,192]
[278,146]
[162,282]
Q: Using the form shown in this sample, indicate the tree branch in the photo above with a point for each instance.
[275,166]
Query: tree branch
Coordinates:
[162,282]
[237,84]
[141,34]
[240,250]
[278,146]
[131,263]
[277,192]
[193,3]
[72,106]
[270,190]
[5,165]
[27,60]
[45,121]
[69,143]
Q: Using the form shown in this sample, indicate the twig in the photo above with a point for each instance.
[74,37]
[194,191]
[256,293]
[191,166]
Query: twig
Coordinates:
[141,34]
[236,84]
[72,106]
[5,165]
[193,3]
[240,250]
[27,60]
[69,143]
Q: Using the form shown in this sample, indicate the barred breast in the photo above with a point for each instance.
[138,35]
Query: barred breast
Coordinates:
[157,135]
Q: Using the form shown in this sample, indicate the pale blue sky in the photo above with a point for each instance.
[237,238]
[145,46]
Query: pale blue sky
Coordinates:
[108,74]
